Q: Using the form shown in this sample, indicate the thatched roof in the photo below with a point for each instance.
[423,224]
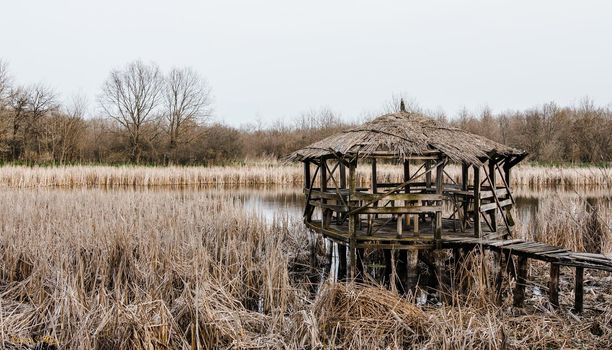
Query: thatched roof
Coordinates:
[404,134]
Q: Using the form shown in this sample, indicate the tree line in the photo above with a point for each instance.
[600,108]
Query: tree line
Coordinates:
[144,115]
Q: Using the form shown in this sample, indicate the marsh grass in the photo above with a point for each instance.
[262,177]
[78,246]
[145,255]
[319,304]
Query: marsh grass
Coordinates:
[266,173]
[97,269]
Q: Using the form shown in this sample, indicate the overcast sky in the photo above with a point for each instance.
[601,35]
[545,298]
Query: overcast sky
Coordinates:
[275,59]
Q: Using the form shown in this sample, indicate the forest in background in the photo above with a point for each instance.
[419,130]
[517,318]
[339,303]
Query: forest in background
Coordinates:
[143,115]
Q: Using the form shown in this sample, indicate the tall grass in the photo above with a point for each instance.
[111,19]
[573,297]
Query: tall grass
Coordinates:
[92,269]
[263,173]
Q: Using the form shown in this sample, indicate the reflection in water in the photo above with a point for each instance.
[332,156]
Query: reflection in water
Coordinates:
[579,220]
[576,219]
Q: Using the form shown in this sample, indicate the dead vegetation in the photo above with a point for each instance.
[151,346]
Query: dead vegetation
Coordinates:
[92,269]
[269,172]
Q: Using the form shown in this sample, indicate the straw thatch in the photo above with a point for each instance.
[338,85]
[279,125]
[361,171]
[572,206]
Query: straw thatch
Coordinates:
[405,134]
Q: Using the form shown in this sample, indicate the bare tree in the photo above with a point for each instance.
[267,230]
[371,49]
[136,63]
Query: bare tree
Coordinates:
[131,97]
[65,130]
[27,108]
[5,83]
[187,103]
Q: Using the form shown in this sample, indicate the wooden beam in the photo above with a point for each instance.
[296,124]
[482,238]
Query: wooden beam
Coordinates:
[352,226]
[306,174]
[373,184]
[499,278]
[477,223]
[342,175]
[439,191]
[465,168]
[323,177]
[399,196]
[579,290]
[341,261]
[407,174]
[428,174]
[521,280]
[553,285]
[388,267]
[492,180]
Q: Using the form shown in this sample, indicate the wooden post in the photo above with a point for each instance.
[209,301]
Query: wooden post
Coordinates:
[323,171]
[400,226]
[477,224]
[341,261]
[412,260]
[353,218]
[407,189]
[507,172]
[342,175]
[360,264]
[464,187]
[579,290]
[374,184]
[306,174]
[374,189]
[402,271]
[407,174]
[521,279]
[307,187]
[439,190]
[330,256]
[456,267]
[388,268]
[428,174]
[492,177]
[553,285]
[341,215]
[499,278]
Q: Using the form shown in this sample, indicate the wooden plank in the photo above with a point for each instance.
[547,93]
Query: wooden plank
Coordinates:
[506,242]
[330,194]
[399,196]
[395,246]
[489,194]
[334,207]
[601,260]
[492,206]
[401,210]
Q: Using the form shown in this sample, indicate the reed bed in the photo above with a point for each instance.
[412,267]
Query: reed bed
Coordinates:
[269,173]
[93,269]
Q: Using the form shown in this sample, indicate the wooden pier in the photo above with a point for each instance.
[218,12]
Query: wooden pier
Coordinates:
[428,210]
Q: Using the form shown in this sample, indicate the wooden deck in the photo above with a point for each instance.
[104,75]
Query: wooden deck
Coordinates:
[384,236]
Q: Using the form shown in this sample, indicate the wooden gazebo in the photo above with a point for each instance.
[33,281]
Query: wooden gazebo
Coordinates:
[422,209]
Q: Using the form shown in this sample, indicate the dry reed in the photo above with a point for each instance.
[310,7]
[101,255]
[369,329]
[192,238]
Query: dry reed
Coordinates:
[269,173]
[92,269]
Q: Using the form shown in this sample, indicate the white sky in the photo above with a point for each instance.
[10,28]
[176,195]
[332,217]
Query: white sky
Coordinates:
[275,59]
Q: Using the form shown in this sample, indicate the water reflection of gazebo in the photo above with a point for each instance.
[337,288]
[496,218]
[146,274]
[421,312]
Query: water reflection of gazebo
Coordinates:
[406,215]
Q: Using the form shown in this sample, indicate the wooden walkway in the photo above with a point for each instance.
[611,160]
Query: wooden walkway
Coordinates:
[525,250]
[512,255]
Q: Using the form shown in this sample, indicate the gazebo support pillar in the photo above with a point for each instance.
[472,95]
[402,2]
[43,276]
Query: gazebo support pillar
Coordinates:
[352,225]
[477,223]
[492,178]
